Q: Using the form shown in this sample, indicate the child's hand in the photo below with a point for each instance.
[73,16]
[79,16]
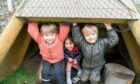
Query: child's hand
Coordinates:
[70,59]
[75,61]
[108,26]
[74,24]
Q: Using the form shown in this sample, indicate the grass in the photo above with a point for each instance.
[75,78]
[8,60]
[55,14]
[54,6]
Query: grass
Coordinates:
[138,7]
[23,75]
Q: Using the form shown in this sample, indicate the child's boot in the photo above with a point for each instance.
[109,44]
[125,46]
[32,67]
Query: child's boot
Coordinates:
[77,78]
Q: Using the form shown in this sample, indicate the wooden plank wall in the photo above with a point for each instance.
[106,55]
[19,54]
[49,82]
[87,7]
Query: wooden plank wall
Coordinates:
[14,42]
[133,49]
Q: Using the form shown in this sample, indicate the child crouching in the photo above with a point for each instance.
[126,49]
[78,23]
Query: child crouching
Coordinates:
[72,56]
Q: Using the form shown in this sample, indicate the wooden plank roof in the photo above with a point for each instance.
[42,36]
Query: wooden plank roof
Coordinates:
[78,10]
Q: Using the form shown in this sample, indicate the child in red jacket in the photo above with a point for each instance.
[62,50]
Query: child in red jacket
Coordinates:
[50,41]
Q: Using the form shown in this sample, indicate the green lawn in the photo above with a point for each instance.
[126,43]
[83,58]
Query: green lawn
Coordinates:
[138,7]
[23,75]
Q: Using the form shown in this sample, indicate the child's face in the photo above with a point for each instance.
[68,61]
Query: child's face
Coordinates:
[90,35]
[69,44]
[49,36]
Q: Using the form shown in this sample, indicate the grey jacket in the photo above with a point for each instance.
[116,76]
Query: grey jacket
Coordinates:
[94,53]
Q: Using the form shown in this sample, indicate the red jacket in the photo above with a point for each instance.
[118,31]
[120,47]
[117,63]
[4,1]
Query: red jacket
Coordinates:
[51,52]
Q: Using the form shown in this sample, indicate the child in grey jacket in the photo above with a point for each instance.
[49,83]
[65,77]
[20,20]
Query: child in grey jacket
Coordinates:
[92,47]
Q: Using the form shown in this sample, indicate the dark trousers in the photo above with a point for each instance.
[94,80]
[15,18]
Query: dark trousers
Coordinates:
[58,72]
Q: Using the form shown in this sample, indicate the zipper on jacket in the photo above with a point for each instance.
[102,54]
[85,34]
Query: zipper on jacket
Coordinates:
[91,55]
[50,53]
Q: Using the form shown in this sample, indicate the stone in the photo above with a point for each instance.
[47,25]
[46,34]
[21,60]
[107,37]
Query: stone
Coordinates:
[2,17]
[1,12]
[3,23]
[4,13]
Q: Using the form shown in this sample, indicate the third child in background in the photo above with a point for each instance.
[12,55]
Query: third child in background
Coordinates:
[72,56]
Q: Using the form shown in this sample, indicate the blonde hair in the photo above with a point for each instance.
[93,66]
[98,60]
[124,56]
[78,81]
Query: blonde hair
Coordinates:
[49,28]
[86,28]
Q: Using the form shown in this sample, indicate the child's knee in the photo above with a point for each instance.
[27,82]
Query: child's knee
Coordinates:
[69,66]
[97,78]
[59,72]
[84,78]
[45,75]
[94,77]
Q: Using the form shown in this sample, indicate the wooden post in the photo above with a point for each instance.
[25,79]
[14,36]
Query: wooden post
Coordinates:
[14,42]
[9,35]
[136,31]
[133,49]
[79,20]
[39,71]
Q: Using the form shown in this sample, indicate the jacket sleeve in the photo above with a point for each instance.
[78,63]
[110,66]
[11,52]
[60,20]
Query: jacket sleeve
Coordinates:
[66,56]
[77,36]
[64,30]
[78,56]
[112,38]
[33,31]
